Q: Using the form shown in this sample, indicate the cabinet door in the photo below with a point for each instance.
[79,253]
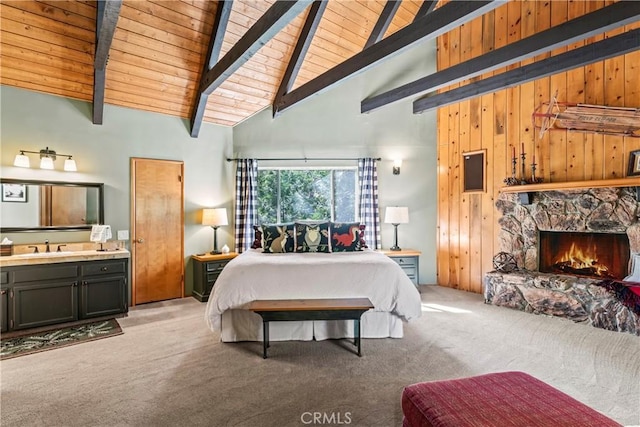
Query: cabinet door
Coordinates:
[40,304]
[4,302]
[103,296]
[4,306]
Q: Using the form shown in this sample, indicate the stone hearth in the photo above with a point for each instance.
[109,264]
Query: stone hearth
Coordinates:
[571,297]
[601,210]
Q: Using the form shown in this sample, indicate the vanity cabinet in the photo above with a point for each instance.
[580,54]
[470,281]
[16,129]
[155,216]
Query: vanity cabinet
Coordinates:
[103,290]
[47,294]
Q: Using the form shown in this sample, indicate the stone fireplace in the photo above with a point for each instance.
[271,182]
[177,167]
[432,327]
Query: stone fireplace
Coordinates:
[564,243]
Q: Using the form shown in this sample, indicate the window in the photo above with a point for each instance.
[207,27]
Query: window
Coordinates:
[286,195]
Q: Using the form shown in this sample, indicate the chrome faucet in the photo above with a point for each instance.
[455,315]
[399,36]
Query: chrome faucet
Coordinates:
[47,249]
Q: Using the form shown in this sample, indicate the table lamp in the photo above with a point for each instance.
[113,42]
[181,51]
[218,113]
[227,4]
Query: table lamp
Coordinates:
[215,218]
[396,215]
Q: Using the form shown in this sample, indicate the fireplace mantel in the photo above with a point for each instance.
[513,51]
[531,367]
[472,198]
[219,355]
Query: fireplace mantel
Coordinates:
[633,181]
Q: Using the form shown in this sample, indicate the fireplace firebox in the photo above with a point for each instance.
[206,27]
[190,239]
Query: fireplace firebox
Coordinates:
[603,255]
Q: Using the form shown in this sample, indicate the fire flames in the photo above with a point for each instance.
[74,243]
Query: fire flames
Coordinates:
[582,261]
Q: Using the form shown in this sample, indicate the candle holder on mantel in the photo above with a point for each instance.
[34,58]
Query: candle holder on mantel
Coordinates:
[534,179]
[512,180]
[523,156]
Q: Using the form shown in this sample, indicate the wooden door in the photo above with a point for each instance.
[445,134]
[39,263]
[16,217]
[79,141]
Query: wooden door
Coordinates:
[63,205]
[157,211]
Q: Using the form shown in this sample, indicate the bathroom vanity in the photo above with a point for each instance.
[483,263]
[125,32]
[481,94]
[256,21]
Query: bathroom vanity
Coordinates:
[42,289]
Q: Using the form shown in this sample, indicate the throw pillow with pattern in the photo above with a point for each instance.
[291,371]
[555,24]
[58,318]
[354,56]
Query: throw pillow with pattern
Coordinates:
[345,237]
[277,238]
[257,240]
[312,237]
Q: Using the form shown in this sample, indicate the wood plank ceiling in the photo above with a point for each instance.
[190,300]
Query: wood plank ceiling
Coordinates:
[159,47]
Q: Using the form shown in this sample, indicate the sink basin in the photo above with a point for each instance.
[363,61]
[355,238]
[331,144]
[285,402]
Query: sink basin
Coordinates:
[45,254]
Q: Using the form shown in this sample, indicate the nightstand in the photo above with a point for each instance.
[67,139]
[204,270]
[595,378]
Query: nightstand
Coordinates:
[206,269]
[408,259]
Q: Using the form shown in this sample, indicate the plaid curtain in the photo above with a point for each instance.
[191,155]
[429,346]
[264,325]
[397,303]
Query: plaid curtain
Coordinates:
[246,202]
[368,203]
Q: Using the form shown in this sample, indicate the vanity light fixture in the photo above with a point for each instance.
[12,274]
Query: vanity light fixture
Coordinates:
[47,157]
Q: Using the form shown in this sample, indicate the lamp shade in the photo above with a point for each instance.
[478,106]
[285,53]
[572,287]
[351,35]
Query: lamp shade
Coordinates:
[46,163]
[21,161]
[70,165]
[396,215]
[214,217]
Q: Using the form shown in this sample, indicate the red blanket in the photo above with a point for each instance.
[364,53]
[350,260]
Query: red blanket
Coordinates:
[627,292]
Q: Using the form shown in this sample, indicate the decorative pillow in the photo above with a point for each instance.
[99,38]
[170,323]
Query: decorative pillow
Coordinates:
[346,237]
[257,240]
[278,238]
[312,237]
[363,244]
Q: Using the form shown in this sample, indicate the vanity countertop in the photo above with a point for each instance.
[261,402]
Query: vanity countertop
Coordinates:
[57,257]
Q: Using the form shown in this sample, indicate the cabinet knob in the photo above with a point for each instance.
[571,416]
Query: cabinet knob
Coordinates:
[104,268]
[3,292]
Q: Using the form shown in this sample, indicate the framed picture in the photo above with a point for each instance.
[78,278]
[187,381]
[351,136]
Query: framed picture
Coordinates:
[14,193]
[473,170]
[634,163]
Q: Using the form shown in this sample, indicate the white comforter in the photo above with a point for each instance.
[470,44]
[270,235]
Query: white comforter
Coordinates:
[255,275]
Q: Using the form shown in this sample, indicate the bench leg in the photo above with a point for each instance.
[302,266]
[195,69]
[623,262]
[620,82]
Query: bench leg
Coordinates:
[357,335]
[265,338]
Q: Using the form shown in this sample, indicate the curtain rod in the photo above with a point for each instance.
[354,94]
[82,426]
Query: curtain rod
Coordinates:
[306,158]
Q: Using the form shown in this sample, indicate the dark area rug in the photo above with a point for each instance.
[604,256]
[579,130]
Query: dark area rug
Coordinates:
[56,338]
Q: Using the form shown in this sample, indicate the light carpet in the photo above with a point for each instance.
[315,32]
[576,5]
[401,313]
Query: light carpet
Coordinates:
[168,369]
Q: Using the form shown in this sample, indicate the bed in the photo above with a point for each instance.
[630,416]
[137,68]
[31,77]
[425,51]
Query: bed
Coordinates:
[256,275]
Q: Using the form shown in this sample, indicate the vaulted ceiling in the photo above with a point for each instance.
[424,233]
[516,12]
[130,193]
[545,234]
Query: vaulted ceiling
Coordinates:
[158,48]
[223,61]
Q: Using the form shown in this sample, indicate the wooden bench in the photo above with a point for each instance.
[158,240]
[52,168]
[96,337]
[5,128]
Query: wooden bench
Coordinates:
[310,309]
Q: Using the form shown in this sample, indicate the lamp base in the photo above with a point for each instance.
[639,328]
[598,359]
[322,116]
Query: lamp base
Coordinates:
[395,248]
[215,252]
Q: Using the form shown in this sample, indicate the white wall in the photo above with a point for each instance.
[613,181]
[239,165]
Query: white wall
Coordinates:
[33,121]
[330,125]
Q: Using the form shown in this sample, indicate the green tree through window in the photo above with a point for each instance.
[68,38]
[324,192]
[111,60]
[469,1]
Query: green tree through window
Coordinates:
[318,194]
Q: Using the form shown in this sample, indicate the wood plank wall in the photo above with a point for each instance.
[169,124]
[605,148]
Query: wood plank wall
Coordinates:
[501,121]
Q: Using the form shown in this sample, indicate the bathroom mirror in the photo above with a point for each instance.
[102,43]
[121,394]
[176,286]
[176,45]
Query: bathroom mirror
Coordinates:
[29,205]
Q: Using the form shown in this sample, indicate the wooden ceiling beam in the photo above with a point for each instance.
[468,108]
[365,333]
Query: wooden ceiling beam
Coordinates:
[429,26]
[383,22]
[107,12]
[594,52]
[427,6]
[300,50]
[265,28]
[213,53]
[583,27]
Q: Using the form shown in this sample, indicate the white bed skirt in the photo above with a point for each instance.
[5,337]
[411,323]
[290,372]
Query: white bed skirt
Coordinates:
[244,325]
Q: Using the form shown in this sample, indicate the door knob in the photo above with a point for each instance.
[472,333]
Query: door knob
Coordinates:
[140,240]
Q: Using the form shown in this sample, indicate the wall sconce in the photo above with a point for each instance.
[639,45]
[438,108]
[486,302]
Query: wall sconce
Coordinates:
[47,158]
[397,164]
[215,218]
